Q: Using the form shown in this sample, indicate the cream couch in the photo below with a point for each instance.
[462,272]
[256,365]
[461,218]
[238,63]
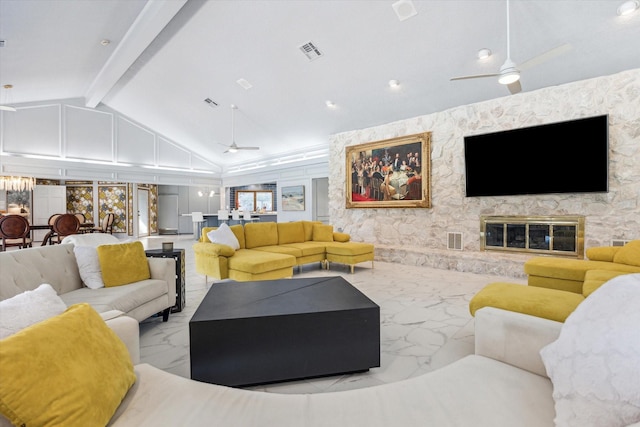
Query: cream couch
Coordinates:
[503,384]
[270,250]
[26,269]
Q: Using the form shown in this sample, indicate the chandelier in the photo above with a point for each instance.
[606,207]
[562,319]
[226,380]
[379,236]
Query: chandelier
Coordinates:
[17,183]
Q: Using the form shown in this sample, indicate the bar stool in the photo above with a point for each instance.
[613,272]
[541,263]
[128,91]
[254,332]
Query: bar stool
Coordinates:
[198,221]
[223,216]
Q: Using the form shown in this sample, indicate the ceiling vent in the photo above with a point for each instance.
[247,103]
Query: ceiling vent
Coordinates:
[211,102]
[311,51]
[1,43]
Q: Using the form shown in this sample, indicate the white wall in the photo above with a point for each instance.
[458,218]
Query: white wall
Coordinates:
[65,140]
[420,234]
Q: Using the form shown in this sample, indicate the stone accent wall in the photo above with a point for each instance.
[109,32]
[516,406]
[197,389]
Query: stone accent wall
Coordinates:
[418,236]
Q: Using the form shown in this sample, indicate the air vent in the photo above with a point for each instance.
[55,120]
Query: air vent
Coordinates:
[211,102]
[311,51]
[619,242]
[1,43]
[454,241]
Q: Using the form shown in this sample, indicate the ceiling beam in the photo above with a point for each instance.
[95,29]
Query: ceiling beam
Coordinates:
[155,15]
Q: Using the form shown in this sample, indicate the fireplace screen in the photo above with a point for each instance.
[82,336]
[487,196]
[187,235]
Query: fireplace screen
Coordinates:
[544,235]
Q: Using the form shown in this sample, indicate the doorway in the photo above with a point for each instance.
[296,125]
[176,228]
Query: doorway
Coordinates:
[320,206]
[143,212]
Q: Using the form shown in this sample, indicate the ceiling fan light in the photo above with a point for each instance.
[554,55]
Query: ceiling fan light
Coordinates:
[509,77]
[628,7]
[233,150]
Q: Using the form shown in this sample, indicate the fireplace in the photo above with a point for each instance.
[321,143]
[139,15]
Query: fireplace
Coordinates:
[546,235]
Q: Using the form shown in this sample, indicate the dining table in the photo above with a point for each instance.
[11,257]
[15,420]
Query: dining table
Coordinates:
[85,227]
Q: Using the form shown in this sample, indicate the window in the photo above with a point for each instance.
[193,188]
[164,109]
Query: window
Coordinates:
[254,200]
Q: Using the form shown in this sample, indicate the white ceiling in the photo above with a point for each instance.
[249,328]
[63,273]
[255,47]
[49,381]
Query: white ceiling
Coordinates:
[160,75]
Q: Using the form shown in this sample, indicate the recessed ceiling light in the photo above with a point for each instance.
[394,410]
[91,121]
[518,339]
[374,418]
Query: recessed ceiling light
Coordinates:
[628,7]
[394,83]
[244,84]
[404,9]
[330,104]
[484,53]
[105,42]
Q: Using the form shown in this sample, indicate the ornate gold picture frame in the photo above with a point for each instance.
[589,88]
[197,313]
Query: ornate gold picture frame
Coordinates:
[392,173]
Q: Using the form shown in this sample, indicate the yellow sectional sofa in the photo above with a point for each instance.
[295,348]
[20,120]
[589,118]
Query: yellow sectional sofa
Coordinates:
[556,286]
[270,250]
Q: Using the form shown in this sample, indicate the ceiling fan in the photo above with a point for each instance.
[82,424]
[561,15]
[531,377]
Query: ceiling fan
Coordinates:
[509,73]
[233,147]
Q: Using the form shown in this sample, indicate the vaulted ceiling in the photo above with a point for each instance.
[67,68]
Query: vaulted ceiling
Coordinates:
[164,58]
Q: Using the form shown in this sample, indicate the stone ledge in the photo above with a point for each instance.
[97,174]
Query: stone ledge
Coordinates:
[485,262]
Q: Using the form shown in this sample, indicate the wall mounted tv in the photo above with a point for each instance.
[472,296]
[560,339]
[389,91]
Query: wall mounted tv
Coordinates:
[563,157]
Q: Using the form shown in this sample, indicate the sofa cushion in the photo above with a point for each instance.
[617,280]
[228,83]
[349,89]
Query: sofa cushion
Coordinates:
[260,234]
[223,236]
[349,248]
[341,237]
[322,233]
[546,303]
[123,263]
[124,298]
[256,262]
[290,232]
[308,229]
[281,249]
[602,253]
[593,364]
[570,269]
[596,278]
[629,254]
[29,307]
[309,248]
[238,230]
[71,369]
[89,266]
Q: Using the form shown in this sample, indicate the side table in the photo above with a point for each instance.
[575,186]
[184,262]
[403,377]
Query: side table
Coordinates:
[178,256]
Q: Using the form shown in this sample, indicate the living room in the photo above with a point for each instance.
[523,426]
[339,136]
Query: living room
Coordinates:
[422,283]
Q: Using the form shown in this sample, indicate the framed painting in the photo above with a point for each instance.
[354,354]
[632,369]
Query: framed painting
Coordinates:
[293,198]
[392,173]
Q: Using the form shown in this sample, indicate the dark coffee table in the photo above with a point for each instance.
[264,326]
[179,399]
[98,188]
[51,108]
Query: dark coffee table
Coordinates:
[249,333]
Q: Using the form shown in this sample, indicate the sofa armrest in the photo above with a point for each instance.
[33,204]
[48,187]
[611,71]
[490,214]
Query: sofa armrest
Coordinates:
[165,269]
[128,330]
[514,338]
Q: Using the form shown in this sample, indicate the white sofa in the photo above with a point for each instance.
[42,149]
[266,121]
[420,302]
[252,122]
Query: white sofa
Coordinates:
[503,384]
[26,269]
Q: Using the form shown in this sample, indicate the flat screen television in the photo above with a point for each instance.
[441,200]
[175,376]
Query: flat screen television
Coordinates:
[564,157]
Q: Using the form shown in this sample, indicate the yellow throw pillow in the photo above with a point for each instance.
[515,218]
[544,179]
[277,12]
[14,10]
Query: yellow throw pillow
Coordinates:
[341,237]
[123,263]
[629,254]
[68,370]
[322,233]
[602,253]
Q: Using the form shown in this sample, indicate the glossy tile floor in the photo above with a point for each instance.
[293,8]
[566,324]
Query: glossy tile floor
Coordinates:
[425,321]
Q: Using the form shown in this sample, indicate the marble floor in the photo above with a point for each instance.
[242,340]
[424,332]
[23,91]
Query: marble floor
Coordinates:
[425,321]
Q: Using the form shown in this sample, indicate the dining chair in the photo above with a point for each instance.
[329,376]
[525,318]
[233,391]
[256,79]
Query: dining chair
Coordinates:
[82,219]
[63,226]
[14,231]
[48,239]
[106,225]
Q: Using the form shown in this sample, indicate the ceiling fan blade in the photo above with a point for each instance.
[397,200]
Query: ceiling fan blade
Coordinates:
[546,56]
[247,148]
[514,87]
[477,76]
